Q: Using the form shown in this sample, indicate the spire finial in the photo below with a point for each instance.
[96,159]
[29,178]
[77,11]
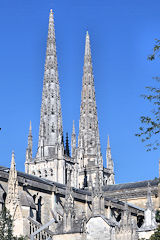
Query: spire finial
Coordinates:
[108,143]
[87,45]
[30,128]
[13,158]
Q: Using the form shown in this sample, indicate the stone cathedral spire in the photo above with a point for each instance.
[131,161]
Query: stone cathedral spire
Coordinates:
[89,152]
[88,125]
[50,131]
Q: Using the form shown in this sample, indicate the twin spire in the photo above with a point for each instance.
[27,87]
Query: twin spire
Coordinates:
[51,144]
[88,126]
[50,131]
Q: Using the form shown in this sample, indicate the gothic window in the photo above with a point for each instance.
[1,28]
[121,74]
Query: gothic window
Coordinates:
[45,110]
[52,111]
[52,128]
[51,171]
[39,172]
[90,125]
[45,173]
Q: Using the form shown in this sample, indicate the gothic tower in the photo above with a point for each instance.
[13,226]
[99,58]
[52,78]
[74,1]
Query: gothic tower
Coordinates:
[49,162]
[50,131]
[52,161]
[89,151]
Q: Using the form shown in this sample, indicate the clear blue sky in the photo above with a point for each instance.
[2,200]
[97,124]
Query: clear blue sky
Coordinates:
[122,35]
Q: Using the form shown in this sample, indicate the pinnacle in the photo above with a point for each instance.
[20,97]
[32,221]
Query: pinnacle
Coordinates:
[30,128]
[87,45]
[149,199]
[108,143]
[73,129]
[13,160]
[51,13]
[51,16]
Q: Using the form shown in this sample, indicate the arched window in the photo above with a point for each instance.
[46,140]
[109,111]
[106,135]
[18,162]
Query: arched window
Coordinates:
[52,128]
[51,171]
[45,173]
[39,172]
[52,111]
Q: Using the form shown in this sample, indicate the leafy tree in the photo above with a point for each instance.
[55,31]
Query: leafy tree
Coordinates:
[156,235]
[151,124]
[6,226]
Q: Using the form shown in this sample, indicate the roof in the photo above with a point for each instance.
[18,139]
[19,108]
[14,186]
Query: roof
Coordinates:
[110,222]
[141,184]
[27,200]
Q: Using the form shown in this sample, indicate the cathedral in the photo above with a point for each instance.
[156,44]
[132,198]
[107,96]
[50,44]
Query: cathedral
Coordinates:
[73,196]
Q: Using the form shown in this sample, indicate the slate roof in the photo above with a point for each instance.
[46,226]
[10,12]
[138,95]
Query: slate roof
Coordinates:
[141,184]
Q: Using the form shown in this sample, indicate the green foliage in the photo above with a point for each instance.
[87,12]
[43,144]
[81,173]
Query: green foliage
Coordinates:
[156,235]
[6,226]
[151,124]
[156,50]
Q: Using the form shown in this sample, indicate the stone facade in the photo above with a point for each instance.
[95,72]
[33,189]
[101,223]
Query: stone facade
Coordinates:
[77,192]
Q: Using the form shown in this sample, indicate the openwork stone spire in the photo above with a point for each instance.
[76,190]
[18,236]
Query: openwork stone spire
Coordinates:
[88,126]
[50,130]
